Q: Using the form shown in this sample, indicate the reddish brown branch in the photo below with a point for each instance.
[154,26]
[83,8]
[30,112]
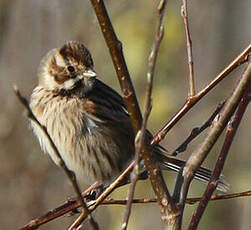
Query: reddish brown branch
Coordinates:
[71,205]
[230,133]
[68,206]
[115,48]
[242,58]
[190,201]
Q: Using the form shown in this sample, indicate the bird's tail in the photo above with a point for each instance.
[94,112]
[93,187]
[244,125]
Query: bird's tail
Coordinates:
[202,174]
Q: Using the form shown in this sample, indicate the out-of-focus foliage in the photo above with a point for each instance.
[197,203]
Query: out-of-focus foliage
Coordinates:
[31,184]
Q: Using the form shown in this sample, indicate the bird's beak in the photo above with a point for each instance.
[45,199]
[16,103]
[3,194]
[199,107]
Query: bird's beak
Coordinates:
[89,73]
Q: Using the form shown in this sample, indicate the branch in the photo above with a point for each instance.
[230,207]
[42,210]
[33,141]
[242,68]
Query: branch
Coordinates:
[190,201]
[196,131]
[242,58]
[199,155]
[60,160]
[230,133]
[115,48]
[73,204]
[101,198]
[141,138]
[189,49]
[69,206]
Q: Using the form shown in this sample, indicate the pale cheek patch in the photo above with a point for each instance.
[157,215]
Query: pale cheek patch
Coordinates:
[69,84]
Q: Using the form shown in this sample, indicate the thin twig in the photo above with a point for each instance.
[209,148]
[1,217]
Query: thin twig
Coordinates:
[184,15]
[150,74]
[199,155]
[230,133]
[69,206]
[152,166]
[139,139]
[73,204]
[101,198]
[190,201]
[60,160]
[242,58]
[220,197]
[196,131]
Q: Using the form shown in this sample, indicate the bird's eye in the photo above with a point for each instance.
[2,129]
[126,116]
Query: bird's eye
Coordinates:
[71,69]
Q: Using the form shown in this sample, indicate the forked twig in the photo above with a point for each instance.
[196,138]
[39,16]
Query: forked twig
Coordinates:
[69,206]
[73,204]
[199,155]
[230,133]
[242,58]
[102,197]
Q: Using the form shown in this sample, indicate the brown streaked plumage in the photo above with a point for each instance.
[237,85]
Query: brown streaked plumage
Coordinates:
[86,119]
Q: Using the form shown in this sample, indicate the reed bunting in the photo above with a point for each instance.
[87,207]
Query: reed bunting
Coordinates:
[87,120]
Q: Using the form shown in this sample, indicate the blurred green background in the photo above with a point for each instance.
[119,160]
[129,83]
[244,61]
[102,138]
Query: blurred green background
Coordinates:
[31,184]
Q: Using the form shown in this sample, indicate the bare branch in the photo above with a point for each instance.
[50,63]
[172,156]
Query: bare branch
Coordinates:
[72,204]
[68,206]
[69,173]
[139,140]
[150,74]
[196,131]
[115,48]
[106,193]
[230,133]
[189,49]
[199,155]
[242,58]
[190,201]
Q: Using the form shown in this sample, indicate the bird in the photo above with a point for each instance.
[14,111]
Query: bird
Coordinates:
[88,120]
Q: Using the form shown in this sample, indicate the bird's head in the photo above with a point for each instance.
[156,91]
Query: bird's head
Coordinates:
[65,68]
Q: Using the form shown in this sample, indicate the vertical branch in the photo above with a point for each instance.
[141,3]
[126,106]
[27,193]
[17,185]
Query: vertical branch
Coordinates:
[115,47]
[230,133]
[139,141]
[141,135]
[189,49]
